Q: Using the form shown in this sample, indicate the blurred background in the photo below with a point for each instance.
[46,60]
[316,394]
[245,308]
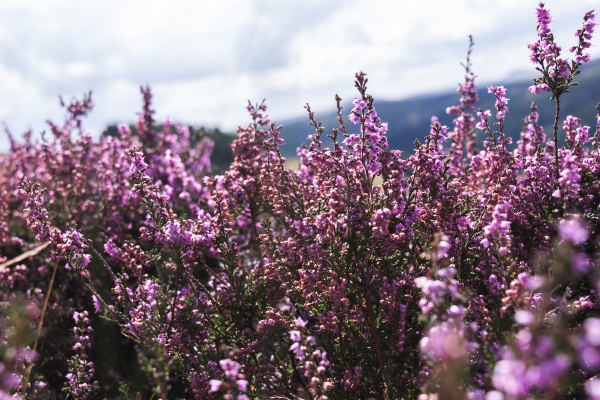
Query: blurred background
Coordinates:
[205,59]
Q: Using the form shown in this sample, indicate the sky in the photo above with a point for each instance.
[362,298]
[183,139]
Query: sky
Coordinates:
[205,59]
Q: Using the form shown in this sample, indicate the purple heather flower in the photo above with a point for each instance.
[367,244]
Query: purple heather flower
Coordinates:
[484,115]
[354,116]
[581,264]
[297,348]
[97,305]
[85,260]
[215,385]
[584,35]
[543,20]
[583,58]
[583,133]
[124,129]
[501,101]
[475,394]
[352,140]
[548,371]
[509,376]
[447,272]
[443,247]
[494,395]
[295,336]
[589,356]
[11,380]
[524,317]
[299,322]
[537,89]
[592,388]
[456,310]
[433,289]
[592,331]
[111,249]
[360,104]
[443,341]
[525,279]
[230,368]
[242,385]
[138,164]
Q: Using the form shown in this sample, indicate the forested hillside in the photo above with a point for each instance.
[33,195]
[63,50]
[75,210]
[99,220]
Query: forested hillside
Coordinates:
[409,119]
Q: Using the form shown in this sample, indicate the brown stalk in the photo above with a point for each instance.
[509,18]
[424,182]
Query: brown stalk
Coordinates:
[39,328]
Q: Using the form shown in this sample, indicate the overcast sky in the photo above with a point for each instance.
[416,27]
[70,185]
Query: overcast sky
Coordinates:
[205,59]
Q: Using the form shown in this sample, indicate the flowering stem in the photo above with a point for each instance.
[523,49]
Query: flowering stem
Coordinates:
[375,338]
[103,261]
[178,267]
[297,373]
[556,117]
[39,330]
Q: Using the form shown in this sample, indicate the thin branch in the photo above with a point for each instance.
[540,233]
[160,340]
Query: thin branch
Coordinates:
[103,261]
[23,256]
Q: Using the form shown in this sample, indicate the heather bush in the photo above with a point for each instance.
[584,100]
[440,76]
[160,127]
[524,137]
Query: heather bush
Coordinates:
[462,270]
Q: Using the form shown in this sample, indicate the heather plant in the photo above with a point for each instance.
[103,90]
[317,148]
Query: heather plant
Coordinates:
[462,270]
[84,187]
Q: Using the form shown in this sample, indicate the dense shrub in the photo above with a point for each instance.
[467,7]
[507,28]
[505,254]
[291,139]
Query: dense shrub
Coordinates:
[459,271]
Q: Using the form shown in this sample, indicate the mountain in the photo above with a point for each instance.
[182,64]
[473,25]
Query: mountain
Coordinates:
[409,119]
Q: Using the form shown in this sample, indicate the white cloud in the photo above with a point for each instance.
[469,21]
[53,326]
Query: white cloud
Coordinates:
[205,59]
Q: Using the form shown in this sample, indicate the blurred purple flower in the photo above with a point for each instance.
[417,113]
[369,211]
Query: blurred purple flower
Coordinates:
[573,231]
